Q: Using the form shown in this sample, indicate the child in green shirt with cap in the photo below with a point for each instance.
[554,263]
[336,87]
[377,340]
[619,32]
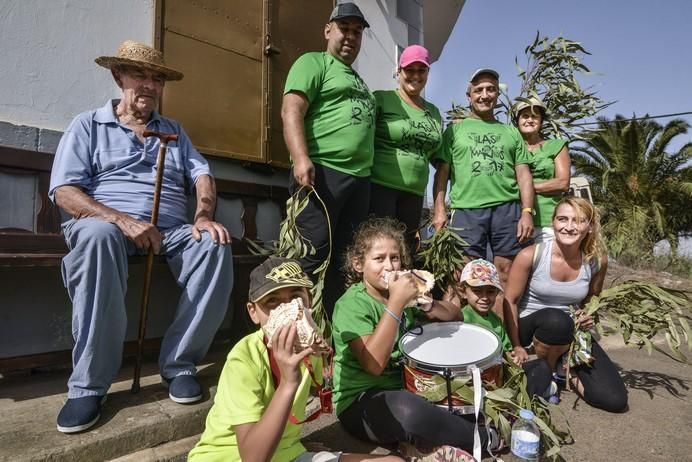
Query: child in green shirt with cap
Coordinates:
[480,285]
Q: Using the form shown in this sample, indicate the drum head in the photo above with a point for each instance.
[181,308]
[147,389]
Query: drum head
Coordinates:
[454,345]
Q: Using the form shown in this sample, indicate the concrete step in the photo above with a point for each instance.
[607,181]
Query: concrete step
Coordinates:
[174,451]
[29,405]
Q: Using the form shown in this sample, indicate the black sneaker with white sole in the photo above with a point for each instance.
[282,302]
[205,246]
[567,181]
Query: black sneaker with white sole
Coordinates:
[79,414]
[183,389]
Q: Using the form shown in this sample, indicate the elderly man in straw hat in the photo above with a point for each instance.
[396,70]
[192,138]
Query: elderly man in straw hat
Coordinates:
[103,176]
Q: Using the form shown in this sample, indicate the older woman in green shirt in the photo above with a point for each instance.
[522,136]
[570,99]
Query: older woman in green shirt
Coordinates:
[550,164]
[408,132]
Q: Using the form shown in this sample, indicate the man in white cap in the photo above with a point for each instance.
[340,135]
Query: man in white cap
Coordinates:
[491,191]
[328,118]
[103,176]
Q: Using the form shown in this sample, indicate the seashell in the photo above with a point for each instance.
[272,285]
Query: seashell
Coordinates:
[307,332]
[425,281]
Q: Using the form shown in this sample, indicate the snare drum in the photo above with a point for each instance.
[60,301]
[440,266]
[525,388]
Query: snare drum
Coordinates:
[438,352]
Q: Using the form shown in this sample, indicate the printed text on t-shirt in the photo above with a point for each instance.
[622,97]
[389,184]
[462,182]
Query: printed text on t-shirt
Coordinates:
[418,138]
[487,154]
[362,102]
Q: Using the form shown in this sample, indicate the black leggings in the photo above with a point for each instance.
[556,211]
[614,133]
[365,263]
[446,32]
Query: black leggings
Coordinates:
[549,325]
[538,376]
[346,198]
[603,386]
[392,416]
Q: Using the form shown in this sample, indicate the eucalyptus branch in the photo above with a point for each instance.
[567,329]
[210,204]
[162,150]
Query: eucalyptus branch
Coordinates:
[443,256]
[292,244]
[550,73]
[501,404]
[640,311]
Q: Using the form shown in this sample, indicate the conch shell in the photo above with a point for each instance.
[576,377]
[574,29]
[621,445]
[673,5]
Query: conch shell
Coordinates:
[425,281]
[307,332]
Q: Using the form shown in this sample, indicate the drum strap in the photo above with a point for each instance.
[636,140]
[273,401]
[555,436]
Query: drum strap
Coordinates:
[477,402]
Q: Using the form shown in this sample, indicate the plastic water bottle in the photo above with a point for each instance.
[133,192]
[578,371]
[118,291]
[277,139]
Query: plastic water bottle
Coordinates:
[526,437]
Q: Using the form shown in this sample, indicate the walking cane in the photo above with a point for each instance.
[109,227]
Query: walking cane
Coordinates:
[164,138]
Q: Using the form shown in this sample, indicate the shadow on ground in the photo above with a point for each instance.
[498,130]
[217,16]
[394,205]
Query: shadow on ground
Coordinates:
[650,382]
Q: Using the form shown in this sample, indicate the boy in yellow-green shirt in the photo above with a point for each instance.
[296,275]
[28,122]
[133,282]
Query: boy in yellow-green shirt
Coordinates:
[252,417]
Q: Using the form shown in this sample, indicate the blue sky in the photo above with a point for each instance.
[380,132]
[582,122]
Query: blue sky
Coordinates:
[641,49]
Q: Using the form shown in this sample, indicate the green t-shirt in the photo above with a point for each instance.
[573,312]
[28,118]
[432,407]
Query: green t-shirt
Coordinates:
[482,156]
[542,165]
[245,389]
[490,321]
[405,140]
[357,314]
[340,121]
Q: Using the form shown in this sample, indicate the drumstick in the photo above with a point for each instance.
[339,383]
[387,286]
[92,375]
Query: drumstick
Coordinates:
[419,277]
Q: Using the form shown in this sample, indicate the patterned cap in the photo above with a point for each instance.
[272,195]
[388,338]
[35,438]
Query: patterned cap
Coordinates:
[479,273]
[276,273]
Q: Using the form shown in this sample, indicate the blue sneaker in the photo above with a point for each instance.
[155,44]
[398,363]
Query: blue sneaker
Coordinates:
[183,389]
[79,414]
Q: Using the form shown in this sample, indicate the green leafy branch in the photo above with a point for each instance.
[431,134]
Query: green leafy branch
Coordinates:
[443,256]
[550,73]
[501,405]
[639,311]
[292,244]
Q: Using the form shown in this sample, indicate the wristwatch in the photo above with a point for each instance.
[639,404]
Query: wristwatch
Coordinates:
[530,210]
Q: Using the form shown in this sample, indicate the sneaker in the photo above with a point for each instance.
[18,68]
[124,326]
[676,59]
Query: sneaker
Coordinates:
[183,389]
[551,393]
[79,414]
[444,453]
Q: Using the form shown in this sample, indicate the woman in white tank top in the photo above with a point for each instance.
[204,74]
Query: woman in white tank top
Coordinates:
[544,281]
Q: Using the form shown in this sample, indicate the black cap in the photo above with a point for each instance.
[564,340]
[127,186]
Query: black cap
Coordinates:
[276,273]
[347,10]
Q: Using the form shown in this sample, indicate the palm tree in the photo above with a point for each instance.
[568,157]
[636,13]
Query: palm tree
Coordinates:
[643,190]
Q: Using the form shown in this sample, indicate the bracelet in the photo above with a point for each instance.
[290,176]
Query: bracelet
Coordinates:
[391,313]
[528,210]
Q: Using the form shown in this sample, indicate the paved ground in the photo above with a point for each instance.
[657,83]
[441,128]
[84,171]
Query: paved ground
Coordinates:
[657,426]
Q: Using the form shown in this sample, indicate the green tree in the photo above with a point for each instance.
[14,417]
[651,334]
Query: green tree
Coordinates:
[642,188]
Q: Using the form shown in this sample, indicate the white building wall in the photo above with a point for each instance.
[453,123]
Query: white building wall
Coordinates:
[47,68]
[48,48]
[377,61]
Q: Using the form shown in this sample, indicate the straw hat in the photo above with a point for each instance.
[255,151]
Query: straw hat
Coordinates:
[139,55]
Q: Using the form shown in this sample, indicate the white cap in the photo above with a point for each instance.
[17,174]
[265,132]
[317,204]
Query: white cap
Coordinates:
[486,70]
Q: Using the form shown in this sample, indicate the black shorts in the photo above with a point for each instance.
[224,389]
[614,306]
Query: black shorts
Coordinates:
[496,226]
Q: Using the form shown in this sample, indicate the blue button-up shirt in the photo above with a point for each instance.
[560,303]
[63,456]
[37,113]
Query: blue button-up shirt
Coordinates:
[109,162]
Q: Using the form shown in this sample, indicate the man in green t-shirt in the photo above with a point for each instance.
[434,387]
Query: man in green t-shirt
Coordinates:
[328,118]
[491,190]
